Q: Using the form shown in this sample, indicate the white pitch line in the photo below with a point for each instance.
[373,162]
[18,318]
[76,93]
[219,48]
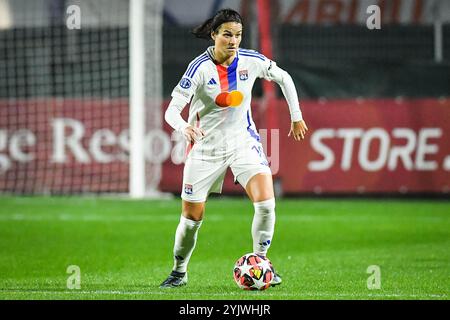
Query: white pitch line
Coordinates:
[264,294]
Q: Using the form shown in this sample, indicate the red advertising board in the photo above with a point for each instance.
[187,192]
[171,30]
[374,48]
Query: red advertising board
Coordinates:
[370,146]
[51,145]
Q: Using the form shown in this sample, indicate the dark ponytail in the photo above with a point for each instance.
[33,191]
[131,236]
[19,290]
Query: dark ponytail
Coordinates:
[204,30]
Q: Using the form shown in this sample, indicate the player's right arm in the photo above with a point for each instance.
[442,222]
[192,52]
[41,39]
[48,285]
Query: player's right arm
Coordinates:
[181,96]
[174,119]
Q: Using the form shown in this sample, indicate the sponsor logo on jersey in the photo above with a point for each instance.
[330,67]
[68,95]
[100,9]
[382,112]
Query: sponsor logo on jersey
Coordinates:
[182,92]
[212,81]
[188,188]
[229,99]
[185,83]
[243,75]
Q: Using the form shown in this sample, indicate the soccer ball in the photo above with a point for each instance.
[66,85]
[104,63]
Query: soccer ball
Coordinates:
[253,272]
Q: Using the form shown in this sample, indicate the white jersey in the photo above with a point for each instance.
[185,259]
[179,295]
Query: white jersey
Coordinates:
[221,98]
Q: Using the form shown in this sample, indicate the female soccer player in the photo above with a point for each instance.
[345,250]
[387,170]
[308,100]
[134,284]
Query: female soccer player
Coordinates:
[221,134]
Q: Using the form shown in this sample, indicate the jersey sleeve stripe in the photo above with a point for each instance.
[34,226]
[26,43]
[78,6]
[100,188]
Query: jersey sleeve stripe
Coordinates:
[253,52]
[252,55]
[197,65]
[249,51]
[194,63]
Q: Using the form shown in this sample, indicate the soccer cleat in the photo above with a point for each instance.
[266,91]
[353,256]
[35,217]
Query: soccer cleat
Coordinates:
[174,280]
[276,279]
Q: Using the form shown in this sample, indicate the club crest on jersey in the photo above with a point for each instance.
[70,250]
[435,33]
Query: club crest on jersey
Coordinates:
[243,75]
[185,83]
[188,188]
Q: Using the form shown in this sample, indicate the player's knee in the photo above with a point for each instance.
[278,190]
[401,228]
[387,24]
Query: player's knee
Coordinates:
[266,207]
[192,217]
[193,211]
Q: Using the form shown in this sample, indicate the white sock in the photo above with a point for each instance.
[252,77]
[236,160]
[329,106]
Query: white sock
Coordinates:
[263,225]
[185,239]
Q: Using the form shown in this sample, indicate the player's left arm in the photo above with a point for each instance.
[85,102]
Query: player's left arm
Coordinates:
[284,80]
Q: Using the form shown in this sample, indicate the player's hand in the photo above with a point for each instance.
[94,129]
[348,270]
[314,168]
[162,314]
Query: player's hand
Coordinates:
[193,134]
[298,130]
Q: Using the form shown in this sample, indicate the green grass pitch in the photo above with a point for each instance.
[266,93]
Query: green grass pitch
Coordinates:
[322,247]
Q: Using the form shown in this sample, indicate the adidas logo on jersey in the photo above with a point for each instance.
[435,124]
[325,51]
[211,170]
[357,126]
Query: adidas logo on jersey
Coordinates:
[212,81]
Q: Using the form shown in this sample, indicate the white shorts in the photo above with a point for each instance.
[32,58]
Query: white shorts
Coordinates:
[204,175]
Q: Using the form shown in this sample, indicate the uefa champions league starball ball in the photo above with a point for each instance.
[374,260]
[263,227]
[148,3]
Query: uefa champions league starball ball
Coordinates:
[253,272]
